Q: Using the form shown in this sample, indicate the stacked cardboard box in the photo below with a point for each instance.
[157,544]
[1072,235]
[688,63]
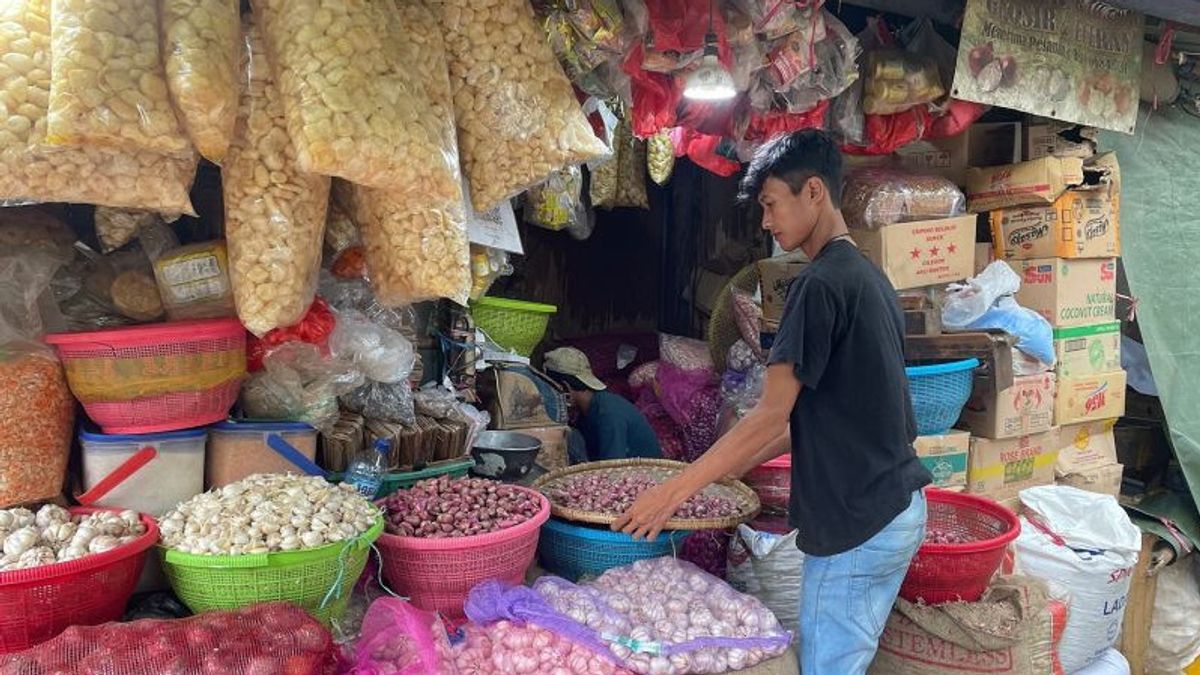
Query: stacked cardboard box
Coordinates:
[1056,221]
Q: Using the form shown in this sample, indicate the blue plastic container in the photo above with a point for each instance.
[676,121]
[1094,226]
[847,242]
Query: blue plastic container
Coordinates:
[939,393]
[577,551]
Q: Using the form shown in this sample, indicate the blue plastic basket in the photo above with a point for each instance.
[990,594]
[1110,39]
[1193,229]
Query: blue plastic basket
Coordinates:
[576,551]
[939,393]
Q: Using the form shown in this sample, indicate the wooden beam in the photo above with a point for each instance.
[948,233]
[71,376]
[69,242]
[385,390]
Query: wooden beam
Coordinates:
[1139,610]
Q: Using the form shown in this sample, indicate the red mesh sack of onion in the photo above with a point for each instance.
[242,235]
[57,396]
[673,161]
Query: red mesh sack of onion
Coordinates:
[654,617]
[399,639]
[268,639]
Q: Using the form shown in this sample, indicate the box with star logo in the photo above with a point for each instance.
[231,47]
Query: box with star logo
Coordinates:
[922,253]
[1026,407]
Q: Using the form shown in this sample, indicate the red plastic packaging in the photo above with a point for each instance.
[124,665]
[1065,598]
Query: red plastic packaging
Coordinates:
[267,639]
[315,328]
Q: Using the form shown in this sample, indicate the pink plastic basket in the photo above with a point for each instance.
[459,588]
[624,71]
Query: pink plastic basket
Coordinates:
[39,603]
[155,378]
[437,574]
[772,482]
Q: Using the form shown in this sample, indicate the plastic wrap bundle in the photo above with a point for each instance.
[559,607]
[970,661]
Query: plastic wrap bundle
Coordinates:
[274,212]
[30,171]
[385,358]
[556,203]
[412,254]
[518,119]
[108,87]
[362,88]
[264,638]
[665,616]
[299,384]
[200,39]
[875,198]
[399,639]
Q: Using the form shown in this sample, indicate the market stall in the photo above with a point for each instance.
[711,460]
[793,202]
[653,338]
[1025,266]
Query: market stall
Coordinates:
[305,304]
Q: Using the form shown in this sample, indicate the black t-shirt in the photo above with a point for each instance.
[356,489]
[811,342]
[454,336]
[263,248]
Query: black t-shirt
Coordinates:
[853,464]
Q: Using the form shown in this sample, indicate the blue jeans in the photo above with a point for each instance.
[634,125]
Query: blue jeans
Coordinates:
[847,597]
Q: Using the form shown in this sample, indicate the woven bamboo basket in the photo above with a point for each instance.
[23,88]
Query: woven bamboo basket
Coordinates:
[746,501]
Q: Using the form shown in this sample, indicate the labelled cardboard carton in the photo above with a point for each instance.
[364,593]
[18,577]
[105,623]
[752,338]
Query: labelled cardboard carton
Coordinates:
[775,278]
[1039,182]
[985,254]
[1088,350]
[922,253]
[980,145]
[1087,446]
[945,455]
[1085,399]
[1001,468]
[1083,223]
[1069,293]
[1026,407]
[553,454]
[1052,138]
[1105,480]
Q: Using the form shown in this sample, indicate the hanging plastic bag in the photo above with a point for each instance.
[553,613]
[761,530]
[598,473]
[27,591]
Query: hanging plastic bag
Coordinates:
[194,281]
[621,181]
[556,203]
[1085,542]
[875,198]
[299,384]
[340,231]
[108,87]
[315,329]
[117,227]
[660,157]
[30,171]
[381,354]
[365,92]
[896,81]
[487,265]
[399,639]
[518,119]
[37,411]
[200,39]
[274,212]
[412,254]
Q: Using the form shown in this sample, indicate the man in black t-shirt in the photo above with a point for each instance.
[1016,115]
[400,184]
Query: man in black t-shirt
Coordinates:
[836,397]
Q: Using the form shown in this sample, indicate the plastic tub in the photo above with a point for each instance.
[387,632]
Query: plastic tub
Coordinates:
[175,474]
[239,449]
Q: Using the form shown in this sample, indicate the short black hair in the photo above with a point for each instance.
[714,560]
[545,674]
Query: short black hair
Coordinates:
[569,381]
[794,158]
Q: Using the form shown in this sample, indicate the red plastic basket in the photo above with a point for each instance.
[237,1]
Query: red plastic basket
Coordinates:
[155,378]
[772,481]
[437,574]
[39,603]
[942,573]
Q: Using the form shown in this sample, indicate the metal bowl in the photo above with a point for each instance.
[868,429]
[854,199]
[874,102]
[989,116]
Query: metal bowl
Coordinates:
[505,455]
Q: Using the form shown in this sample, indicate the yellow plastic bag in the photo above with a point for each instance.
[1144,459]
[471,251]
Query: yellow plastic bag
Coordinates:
[108,87]
[518,118]
[274,212]
[201,45]
[30,171]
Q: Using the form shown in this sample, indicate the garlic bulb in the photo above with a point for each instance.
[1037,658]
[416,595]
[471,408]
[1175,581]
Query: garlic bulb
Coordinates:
[53,535]
[20,541]
[266,513]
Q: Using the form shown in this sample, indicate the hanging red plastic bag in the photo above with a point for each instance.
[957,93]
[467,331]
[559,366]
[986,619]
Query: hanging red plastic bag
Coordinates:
[654,96]
[399,639]
[761,127]
[315,328]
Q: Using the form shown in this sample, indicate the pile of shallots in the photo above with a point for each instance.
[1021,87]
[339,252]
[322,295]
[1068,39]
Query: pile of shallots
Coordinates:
[54,535]
[613,494]
[459,507]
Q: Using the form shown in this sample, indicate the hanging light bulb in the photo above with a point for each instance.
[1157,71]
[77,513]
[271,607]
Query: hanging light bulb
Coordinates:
[711,81]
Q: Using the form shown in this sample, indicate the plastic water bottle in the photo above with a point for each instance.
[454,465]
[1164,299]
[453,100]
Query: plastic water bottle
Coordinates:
[366,472]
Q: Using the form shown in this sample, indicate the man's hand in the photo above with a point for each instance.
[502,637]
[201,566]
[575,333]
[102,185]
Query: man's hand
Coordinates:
[646,517]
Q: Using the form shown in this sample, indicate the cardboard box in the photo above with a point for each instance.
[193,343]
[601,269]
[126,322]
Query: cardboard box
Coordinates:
[1085,399]
[1069,293]
[1051,138]
[1002,468]
[1087,446]
[1039,182]
[923,253]
[1088,350]
[775,278]
[553,454]
[1026,407]
[980,145]
[1105,480]
[1083,223]
[985,254]
[945,456]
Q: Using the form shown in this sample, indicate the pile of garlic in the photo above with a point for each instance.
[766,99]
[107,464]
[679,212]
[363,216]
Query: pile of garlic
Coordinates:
[265,513]
[54,535]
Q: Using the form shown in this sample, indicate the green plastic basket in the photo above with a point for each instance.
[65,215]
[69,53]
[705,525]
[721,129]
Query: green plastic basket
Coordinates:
[512,324]
[319,580]
[402,480]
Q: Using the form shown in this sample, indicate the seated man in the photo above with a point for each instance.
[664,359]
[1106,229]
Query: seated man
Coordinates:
[611,426]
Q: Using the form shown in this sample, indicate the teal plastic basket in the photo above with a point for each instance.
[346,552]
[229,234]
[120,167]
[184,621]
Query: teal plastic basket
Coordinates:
[939,393]
[576,552]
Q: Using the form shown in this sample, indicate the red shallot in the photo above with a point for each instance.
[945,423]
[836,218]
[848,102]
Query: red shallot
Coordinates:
[444,507]
[606,493]
[934,535]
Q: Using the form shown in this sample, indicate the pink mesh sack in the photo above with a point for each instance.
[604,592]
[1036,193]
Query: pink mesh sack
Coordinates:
[399,639]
